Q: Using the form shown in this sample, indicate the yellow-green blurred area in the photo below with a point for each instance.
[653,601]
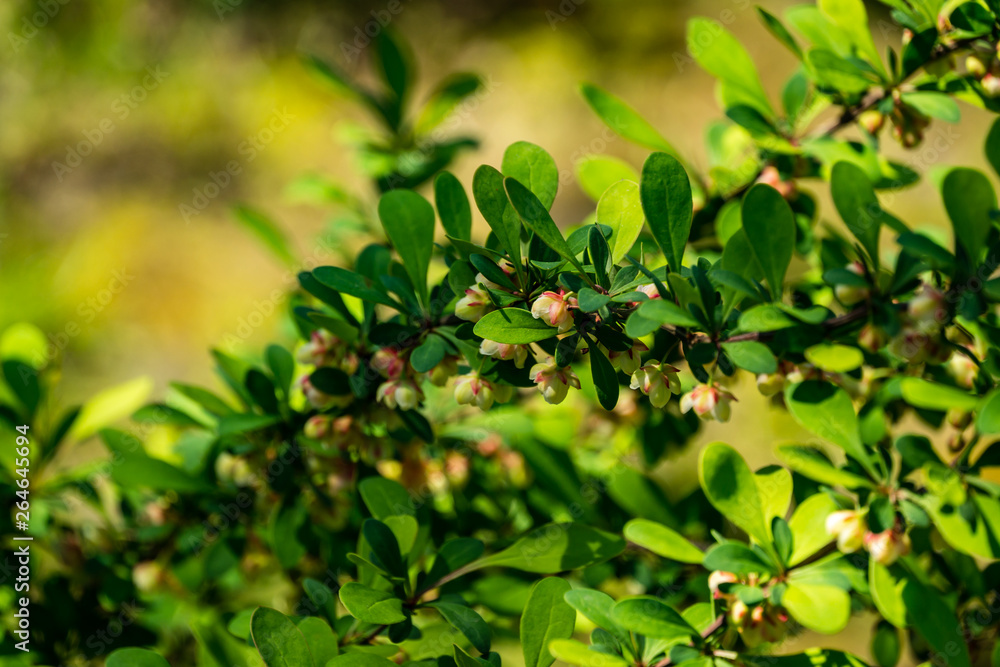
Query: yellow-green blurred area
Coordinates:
[117,113]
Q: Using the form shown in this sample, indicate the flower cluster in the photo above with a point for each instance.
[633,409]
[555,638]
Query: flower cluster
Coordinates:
[851,530]
[756,624]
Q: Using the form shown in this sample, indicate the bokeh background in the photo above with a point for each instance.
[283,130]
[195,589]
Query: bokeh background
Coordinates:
[115,114]
[160,94]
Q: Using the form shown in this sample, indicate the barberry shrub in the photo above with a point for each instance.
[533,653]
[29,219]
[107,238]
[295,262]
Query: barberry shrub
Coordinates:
[879,339]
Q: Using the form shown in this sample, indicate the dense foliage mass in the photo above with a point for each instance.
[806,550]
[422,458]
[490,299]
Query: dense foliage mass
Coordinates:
[400,483]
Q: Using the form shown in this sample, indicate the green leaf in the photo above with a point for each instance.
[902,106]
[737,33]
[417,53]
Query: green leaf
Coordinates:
[267,231]
[547,616]
[557,547]
[594,605]
[348,282]
[887,592]
[408,220]
[851,17]
[536,217]
[731,488]
[597,173]
[135,657]
[662,541]
[819,607]
[769,225]
[393,65]
[855,199]
[278,641]
[661,311]
[751,356]
[384,498]
[385,548]
[282,365]
[992,147]
[934,104]
[359,659]
[576,653]
[774,485]
[513,326]
[429,354]
[446,97]
[468,622]
[651,617]
[834,358]
[320,638]
[132,467]
[534,168]
[109,406]
[736,558]
[453,206]
[969,200]
[623,119]
[722,56]
[323,599]
[809,462]
[371,606]
[827,411]
[620,208]
[808,526]
[665,192]
[589,300]
[491,199]
[605,378]
[988,417]
[922,393]
[936,622]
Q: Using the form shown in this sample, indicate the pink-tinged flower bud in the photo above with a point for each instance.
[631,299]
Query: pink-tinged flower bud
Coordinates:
[963,369]
[402,393]
[738,612]
[471,389]
[456,468]
[849,527]
[975,66]
[320,349]
[658,381]
[770,175]
[504,351]
[716,579]
[991,84]
[958,419]
[473,305]
[321,400]
[850,294]
[554,382]
[444,371]
[872,338]
[388,362]
[769,384]
[886,547]
[927,308]
[553,308]
[147,575]
[871,121]
[708,402]
[318,427]
[649,290]
[628,362]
